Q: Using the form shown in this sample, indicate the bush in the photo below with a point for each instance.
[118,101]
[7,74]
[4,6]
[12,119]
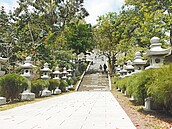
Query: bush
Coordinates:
[135,85]
[161,87]
[155,83]
[70,81]
[82,67]
[63,85]
[39,85]
[11,85]
[53,84]
[139,86]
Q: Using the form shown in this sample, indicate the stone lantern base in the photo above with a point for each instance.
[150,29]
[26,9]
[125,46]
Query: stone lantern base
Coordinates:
[2,100]
[57,91]
[46,92]
[27,95]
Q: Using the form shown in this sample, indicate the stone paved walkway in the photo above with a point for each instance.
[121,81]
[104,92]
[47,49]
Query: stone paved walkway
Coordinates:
[92,108]
[78,110]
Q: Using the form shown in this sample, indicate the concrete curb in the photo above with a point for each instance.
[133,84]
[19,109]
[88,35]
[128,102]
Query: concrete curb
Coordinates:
[82,76]
[110,83]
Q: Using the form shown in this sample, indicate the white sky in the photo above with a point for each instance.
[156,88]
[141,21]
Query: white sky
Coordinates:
[94,7]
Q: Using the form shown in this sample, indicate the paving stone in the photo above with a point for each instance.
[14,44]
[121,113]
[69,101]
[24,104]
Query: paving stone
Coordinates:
[78,110]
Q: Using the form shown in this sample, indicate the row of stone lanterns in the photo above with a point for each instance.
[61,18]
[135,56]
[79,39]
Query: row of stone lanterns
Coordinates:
[27,72]
[2,60]
[156,54]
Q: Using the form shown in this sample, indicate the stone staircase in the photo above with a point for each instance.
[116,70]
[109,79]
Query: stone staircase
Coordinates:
[96,81]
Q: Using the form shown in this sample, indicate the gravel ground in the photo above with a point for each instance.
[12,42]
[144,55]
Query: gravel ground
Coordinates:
[140,118]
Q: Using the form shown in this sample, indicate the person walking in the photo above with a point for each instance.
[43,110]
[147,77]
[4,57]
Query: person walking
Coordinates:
[100,67]
[105,67]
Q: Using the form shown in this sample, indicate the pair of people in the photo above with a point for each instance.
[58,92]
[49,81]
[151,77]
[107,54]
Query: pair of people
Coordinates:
[104,67]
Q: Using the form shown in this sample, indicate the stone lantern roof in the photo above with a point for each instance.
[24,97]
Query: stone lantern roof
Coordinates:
[64,71]
[3,60]
[57,71]
[69,70]
[27,63]
[46,68]
[123,70]
[155,48]
[138,59]
[129,65]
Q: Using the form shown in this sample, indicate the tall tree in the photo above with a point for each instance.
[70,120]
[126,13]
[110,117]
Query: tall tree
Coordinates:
[155,16]
[79,37]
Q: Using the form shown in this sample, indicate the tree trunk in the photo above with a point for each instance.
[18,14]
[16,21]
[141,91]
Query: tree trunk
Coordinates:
[171,35]
[110,64]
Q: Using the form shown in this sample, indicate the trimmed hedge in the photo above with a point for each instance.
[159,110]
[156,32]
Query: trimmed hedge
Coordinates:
[63,85]
[11,85]
[155,83]
[39,85]
[54,83]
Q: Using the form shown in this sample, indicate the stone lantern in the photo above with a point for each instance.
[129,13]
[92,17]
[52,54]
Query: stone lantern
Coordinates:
[2,60]
[117,69]
[64,74]
[156,53]
[129,68]
[138,62]
[46,72]
[27,72]
[56,73]
[123,72]
[69,75]
[27,68]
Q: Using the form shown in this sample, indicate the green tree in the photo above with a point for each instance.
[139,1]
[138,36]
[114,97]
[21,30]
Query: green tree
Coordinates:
[7,35]
[79,37]
[154,17]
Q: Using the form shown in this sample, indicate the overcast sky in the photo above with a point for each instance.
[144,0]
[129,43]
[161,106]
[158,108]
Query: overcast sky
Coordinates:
[94,7]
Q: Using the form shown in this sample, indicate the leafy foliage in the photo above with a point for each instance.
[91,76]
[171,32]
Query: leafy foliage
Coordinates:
[155,83]
[63,85]
[39,85]
[11,85]
[79,37]
[53,84]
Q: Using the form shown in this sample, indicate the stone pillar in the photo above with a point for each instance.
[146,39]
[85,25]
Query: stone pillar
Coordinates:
[27,68]
[147,106]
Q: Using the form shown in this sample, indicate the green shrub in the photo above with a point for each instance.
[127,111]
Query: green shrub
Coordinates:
[11,85]
[161,87]
[54,83]
[39,85]
[63,85]
[140,81]
[82,67]
[135,85]
[70,81]
[74,80]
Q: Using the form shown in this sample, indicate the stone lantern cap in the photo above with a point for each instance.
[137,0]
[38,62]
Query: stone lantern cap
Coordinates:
[138,59]
[129,65]
[46,68]
[64,71]
[118,68]
[57,71]
[3,60]
[123,70]
[27,63]
[155,48]
[69,70]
